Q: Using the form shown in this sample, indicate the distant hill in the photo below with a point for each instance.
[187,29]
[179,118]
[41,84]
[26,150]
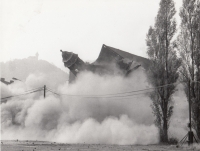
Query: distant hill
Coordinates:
[22,68]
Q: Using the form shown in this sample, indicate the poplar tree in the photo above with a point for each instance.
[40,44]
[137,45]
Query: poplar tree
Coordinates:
[188,43]
[164,65]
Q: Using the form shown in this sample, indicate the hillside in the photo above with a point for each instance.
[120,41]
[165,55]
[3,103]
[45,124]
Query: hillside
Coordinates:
[22,68]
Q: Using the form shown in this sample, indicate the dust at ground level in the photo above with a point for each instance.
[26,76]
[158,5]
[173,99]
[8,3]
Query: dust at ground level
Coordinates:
[27,145]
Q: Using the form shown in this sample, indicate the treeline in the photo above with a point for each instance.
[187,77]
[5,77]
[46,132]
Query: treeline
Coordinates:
[174,58]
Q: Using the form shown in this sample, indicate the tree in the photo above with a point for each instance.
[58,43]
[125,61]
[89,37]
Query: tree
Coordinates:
[164,65]
[188,43]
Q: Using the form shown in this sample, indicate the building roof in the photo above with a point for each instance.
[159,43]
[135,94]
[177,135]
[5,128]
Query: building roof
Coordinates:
[69,58]
[108,62]
[6,82]
[109,54]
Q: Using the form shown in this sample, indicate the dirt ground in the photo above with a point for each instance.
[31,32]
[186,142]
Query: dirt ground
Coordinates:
[52,146]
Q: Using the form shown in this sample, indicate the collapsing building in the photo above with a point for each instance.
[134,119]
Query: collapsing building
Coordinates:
[110,61]
[6,82]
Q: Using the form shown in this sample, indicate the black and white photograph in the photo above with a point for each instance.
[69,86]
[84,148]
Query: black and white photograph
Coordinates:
[100,75]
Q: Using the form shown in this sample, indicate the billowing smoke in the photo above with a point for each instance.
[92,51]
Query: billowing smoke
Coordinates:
[180,118]
[85,111]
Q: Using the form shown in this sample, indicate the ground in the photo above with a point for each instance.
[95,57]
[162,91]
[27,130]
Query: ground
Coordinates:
[52,146]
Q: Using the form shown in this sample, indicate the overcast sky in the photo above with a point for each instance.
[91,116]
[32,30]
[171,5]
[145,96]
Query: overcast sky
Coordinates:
[79,26]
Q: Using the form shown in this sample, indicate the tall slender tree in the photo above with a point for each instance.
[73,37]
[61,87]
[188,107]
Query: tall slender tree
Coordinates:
[188,43]
[164,67]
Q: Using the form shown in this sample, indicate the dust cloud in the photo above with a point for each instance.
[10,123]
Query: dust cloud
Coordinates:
[85,111]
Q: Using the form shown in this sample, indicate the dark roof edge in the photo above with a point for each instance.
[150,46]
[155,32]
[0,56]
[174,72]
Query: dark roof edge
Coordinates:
[125,52]
[112,49]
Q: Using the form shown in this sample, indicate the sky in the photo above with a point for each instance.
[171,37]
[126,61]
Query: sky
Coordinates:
[79,26]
